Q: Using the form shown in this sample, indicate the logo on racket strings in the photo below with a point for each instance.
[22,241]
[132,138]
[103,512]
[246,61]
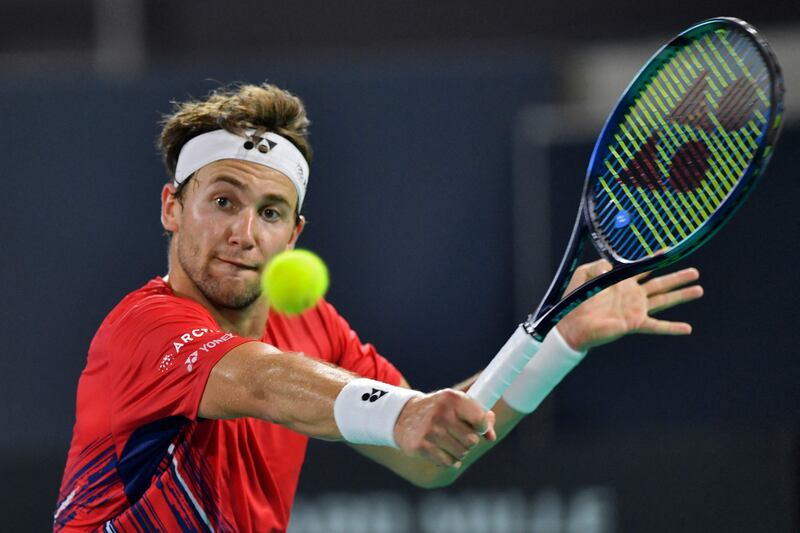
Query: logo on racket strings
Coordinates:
[622,219]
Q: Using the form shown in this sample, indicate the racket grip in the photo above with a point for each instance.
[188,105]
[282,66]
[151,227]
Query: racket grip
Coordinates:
[501,371]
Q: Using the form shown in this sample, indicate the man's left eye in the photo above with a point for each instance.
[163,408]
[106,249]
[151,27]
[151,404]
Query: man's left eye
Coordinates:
[270,214]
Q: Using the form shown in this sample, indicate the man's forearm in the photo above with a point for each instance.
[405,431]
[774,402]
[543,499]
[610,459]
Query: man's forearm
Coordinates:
[324,401]
[257,380]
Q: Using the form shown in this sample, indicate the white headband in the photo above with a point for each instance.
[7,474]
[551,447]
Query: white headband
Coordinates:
[268,149]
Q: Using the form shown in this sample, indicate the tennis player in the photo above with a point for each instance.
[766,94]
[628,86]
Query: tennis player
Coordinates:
[196,403]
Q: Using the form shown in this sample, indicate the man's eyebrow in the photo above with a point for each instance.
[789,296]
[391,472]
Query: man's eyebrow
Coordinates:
[276,199]
[227,179]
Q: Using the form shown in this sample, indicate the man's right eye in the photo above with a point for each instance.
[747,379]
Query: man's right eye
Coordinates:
[222,201]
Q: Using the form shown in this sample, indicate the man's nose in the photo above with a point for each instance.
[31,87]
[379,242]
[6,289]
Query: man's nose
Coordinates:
[243,229]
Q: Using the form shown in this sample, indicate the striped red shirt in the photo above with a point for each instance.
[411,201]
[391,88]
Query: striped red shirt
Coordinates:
[140,458]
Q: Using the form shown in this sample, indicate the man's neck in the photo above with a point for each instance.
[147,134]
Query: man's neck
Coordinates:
[248,322]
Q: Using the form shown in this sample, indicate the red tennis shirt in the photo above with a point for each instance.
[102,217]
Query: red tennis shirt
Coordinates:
[140,458]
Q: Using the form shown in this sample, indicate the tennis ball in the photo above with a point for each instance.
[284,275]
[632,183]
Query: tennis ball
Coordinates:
[294,281]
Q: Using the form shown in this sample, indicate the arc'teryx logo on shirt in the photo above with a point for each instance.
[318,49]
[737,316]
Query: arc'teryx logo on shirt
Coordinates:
[376,395]
[189,337]
[191,359]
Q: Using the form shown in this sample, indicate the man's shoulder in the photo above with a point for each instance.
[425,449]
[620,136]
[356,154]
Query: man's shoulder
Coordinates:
[319,332]
[152,303]
[321,317]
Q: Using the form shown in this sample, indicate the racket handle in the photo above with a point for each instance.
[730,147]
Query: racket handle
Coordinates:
[506,365]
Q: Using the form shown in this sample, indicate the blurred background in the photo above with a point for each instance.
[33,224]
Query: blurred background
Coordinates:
[451,141]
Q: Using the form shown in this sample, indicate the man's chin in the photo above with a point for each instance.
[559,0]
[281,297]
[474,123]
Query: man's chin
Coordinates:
[231,294]
[237,302]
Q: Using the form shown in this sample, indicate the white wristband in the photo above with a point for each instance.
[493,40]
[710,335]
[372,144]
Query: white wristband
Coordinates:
[554,360]
[366,411]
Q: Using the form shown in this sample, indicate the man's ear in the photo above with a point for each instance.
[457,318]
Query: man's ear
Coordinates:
[171,208]
[298,229]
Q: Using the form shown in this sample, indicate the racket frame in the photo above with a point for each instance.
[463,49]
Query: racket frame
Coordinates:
[554,307]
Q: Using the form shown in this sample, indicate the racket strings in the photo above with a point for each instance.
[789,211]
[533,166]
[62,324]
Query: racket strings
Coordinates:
[682,146]
[693,108]
[689,165]
[737,104]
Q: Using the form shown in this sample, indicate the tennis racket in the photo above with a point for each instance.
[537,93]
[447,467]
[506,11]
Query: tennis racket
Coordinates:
[680,152]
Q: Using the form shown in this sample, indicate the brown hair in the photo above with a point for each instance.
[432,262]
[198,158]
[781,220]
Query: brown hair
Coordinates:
[235,108]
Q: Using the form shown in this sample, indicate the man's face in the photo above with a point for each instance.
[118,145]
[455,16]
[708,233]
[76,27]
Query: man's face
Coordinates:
[234,218]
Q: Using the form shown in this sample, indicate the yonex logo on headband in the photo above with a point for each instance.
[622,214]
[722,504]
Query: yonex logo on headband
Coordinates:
[264,145]
[266,149]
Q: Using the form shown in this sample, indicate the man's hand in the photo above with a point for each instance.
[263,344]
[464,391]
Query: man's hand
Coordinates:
[626,307]
[442,427]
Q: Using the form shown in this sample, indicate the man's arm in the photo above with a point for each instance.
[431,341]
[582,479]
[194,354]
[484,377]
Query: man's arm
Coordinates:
[620,310]
[256,380]
[428,475]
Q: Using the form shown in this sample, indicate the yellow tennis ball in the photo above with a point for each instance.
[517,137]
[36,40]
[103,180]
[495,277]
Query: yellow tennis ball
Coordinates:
[294,281]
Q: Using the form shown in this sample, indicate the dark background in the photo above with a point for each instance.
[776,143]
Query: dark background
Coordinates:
[428,121]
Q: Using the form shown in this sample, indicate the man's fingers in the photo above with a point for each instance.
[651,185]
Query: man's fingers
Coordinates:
[465,435]
[452,446]
[489,434]
[441,458]
[671,281]
[587,272]
[660,302]
[596,268]
[664,327]
[600,266]
[474,415]
[482,425]
[443,426]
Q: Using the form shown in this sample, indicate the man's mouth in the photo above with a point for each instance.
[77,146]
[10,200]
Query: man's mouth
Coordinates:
[238,264]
